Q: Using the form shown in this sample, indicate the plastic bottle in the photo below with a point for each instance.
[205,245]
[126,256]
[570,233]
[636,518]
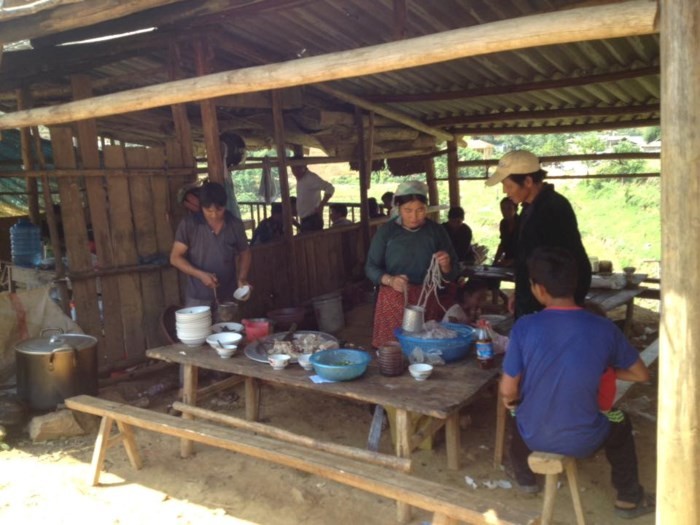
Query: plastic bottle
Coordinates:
[25,243]
[484,346]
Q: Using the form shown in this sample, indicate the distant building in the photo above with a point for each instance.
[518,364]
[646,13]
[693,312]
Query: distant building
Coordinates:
[481,146]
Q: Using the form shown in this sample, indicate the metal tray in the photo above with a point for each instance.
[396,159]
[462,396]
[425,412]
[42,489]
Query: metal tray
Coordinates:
[255,351]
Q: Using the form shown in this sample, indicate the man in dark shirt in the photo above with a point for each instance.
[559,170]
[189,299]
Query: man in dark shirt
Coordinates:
[547,220]
[209,246]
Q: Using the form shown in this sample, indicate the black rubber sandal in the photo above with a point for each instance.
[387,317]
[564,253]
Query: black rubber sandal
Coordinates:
[646,505]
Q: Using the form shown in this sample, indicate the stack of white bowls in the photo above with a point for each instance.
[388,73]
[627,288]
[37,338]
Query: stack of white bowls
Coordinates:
[193,325]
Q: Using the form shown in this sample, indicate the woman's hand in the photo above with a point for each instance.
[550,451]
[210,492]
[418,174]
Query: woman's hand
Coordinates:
[444,261]
[398,283]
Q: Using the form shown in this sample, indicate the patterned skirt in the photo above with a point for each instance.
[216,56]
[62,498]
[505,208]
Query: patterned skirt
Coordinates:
[388,312]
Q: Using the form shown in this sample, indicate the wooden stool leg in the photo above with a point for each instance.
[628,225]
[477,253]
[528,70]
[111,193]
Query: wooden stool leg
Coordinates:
[572,477]
[130,445]
[252,399]
[101,445]
[550,492]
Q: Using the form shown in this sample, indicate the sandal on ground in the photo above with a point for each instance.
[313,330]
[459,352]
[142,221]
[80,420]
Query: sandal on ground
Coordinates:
[646,505]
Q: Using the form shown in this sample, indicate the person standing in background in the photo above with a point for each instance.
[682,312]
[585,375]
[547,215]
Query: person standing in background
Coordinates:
[508,229]
[309,201]
[460,234]
[547,220]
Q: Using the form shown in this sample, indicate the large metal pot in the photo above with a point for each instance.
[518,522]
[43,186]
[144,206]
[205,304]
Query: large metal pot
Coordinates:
[50,369]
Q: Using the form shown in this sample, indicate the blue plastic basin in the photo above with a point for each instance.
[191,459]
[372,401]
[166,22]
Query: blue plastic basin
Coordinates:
[451,350]
[342,364]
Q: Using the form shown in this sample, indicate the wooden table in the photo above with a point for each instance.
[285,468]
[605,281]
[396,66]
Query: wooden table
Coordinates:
[449,388]
[611,299]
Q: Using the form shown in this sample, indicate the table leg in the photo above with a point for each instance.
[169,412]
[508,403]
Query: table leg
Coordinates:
[452,441]
[403,450]
[629,313]
[252,399]
[501,414]
[189,397]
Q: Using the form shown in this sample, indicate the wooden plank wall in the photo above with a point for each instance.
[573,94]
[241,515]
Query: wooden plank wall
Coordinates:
[133,217]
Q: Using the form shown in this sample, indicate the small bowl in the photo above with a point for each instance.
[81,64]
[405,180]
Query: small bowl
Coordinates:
[278,361]
[420,371]
[242,293]
[227,327]
[227,339]
[629,270]
[227,351]
[305,361]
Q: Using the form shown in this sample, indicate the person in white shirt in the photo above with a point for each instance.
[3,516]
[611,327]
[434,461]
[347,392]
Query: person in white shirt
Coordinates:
[309,201]
[469,298]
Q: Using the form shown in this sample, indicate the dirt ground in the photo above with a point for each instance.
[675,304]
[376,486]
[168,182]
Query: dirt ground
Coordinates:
[48,482]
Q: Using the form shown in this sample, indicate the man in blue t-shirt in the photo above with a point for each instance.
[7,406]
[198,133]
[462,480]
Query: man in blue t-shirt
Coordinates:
[552,371]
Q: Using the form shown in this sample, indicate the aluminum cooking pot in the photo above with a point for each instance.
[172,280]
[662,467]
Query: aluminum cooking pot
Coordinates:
[50,369]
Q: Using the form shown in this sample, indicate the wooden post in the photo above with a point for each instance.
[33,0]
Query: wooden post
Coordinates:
[433,195]
[399,29]
[52,220]
[452,180]
[210,125]
[678,446]
[24,102]
[365,172]
[280,143]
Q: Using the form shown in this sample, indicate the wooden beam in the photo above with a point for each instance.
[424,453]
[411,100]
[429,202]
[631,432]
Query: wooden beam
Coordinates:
[550,159]
[514,89]
[592,23]
[364,153]
[678,444]
[558,113]
[72,16]
[385,112]
[100,172]
[8,13]
[561,128]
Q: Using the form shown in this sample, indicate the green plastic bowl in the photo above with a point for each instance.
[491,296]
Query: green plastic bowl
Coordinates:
[342,364]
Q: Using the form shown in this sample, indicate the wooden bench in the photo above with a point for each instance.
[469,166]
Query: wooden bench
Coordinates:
[448,505]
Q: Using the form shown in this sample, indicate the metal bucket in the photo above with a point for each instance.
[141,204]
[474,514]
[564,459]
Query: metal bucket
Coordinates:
[413,318]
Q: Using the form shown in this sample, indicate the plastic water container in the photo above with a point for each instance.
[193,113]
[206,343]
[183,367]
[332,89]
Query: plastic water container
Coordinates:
[25,243]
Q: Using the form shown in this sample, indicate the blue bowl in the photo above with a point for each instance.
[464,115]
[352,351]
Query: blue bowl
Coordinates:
[341,364]
[451,350]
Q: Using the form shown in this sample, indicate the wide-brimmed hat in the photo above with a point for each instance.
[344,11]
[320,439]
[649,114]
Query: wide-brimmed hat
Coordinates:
[190,187]
[411,187]
[519,162]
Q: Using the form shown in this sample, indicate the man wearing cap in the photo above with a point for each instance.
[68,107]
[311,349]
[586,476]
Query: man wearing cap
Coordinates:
[309,202]
[547,220]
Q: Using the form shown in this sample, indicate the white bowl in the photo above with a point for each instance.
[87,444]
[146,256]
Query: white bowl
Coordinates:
[227,351]
[227,327]
[305,361]
[193,312]
[198,341]
[225,338]
[242,293]
[420,371]
[278,361]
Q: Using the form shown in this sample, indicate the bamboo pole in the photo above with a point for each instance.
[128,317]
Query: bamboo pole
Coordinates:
[452,176]
[623,19]
[364,152]
[23,102]
[396,463]
[678,444]
[385,112]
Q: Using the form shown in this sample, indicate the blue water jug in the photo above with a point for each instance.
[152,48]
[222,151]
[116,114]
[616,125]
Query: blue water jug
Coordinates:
[25,243]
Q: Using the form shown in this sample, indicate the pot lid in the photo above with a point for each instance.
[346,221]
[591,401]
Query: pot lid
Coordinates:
[46,345]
